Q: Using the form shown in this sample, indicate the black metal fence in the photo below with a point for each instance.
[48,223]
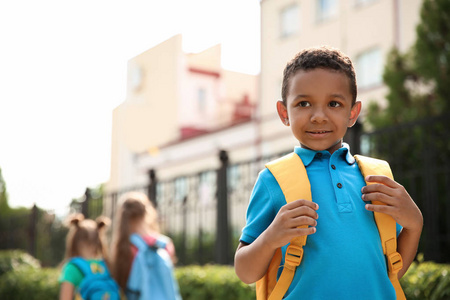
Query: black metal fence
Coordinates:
[419,155]
[18,231]
[205,212]
[34,231]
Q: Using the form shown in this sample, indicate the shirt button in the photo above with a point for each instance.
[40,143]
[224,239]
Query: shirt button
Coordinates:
[339,185]
[333,167]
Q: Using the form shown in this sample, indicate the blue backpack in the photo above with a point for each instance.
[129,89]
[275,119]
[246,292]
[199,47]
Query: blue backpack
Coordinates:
[151,275]
[97,283]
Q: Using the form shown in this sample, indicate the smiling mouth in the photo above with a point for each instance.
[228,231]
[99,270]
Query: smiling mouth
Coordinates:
[318,132]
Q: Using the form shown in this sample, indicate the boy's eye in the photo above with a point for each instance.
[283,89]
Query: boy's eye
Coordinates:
[335,104]
[304,104]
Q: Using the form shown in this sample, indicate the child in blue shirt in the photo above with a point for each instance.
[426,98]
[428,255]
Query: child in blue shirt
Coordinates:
[343,256]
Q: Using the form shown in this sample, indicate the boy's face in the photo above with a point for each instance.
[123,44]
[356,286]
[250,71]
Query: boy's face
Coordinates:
[319,108]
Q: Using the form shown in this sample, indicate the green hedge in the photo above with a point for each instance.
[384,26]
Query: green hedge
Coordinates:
[212,282]
[23,278]
[426,280]
[30,284]
[14,259]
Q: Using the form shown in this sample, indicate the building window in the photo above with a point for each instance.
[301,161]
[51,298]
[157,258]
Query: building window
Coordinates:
[363,2]
[326,9]
[369,68]
[201,100]
[290,20]
[181,189]
[136,76]
[206,187]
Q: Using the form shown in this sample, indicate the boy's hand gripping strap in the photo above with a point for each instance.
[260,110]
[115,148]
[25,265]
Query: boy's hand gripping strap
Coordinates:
[385,223]
[290,174]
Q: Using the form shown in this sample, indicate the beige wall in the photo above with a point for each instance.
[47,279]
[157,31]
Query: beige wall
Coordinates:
[353,30]
[237,85]
[208,59]
[145,119]
[153,104]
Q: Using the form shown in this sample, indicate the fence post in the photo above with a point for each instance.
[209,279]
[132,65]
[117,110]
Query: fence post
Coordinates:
[151,191]
[85,203]
[222,236]
[183,252]
[353,138]
[33,231]
[430,211]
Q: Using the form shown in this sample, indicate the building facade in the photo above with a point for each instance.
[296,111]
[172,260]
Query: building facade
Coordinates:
[180,110]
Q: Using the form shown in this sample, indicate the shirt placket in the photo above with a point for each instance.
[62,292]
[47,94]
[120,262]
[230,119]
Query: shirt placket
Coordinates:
[342,200]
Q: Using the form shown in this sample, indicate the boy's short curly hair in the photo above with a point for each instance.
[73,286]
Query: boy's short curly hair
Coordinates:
[324,57]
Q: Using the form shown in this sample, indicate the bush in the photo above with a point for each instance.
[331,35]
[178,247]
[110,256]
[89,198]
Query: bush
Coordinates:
[194,250]
[212,282]
[427,280]
[29,283]
[15,259]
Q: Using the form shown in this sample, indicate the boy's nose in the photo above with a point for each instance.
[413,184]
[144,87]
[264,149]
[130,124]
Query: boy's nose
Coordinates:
[318,116]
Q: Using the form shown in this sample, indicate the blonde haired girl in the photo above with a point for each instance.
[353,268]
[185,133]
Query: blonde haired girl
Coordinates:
[85,241]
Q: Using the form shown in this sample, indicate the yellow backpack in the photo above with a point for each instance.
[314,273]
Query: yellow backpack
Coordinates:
[290,174]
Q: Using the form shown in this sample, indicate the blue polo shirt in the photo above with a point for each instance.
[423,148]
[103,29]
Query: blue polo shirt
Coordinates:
[344,258]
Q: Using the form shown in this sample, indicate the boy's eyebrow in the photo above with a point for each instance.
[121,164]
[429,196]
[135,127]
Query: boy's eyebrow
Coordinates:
[301,96]
[340,96]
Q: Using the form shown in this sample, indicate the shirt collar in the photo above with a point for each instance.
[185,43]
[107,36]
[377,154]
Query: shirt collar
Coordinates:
[307,155]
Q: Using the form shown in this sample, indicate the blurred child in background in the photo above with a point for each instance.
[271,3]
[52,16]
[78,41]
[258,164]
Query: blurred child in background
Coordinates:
[138,219]
[85,256]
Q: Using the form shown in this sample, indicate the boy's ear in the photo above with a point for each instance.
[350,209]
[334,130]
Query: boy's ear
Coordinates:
[354,113]
[282,112]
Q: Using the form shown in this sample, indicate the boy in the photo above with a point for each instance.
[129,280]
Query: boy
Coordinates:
[343,257]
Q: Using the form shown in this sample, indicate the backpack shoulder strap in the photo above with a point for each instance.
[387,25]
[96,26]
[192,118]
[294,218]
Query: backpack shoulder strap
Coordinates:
[81,264]
[138,241]
[291,175]
[385,223]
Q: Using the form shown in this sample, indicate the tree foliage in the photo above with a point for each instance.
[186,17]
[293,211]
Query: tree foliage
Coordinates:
[4,206]
[432,49]
[30,229]
[93,199]
[418,81]
[411,132]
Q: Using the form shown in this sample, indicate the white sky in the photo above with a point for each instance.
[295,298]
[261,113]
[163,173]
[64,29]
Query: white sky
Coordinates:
[63,70]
